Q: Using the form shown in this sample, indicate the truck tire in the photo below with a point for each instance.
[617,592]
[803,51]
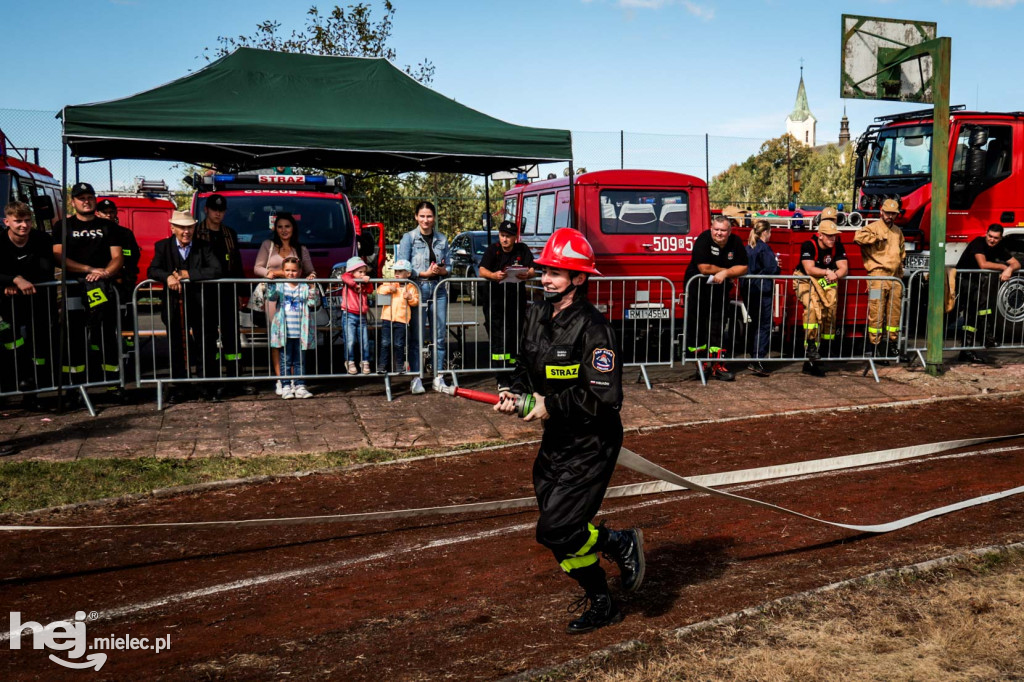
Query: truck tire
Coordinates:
[1010,306]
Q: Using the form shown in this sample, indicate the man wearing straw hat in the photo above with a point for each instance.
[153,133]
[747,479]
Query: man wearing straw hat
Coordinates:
[823,260]
[178,262]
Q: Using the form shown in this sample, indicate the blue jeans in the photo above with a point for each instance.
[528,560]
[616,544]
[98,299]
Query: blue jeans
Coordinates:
[293,364]
[422,318]
[759,307]
[355,324]
[392,341]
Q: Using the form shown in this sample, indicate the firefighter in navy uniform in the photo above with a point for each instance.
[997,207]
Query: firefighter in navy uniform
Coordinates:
[568,359]
[220,301]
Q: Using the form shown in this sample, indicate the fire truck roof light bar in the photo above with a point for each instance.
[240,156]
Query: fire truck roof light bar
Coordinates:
[250,179]
[920,113]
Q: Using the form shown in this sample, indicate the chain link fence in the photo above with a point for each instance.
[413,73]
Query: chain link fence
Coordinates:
[37,135]
[700,155]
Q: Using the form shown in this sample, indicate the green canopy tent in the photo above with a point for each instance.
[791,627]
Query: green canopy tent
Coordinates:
[259,108]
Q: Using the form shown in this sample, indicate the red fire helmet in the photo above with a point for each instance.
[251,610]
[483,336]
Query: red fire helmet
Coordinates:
[568,249]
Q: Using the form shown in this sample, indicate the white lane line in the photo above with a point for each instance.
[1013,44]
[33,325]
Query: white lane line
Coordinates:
[120,612]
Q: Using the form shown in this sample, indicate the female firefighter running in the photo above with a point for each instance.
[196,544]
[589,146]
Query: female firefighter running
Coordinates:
[567,359]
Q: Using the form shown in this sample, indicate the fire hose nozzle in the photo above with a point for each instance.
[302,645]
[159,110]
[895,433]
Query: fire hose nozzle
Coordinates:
[525,402]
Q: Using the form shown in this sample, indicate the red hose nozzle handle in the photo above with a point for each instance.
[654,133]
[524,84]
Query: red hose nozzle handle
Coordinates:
[524,402]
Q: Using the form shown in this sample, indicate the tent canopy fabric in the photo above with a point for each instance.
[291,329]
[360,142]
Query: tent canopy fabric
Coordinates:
[259,108]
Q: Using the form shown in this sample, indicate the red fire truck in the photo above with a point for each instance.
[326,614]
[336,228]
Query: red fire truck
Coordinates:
[641,223]
[146,211]
[986,177]
[25,180]
[322,213]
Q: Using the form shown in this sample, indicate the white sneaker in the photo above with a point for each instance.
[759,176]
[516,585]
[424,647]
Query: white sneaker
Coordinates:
[350,367]
[365,367]
[279,389]
[302,392]
[439,384]
[288,393]
[417,386]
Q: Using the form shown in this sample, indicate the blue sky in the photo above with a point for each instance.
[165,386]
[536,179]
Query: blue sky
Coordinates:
[654,66]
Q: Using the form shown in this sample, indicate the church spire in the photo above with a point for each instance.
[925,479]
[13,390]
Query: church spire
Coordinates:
[801,109]
[801,123]
[844,129]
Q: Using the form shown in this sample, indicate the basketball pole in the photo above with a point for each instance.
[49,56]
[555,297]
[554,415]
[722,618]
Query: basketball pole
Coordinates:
[940,204]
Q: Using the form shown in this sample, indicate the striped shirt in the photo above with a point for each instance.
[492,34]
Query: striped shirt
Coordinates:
[294,303]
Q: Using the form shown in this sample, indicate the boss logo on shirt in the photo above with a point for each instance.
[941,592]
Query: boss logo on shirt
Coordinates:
[86,233]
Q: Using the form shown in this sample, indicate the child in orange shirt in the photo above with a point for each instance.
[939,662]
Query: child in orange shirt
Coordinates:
[395,317]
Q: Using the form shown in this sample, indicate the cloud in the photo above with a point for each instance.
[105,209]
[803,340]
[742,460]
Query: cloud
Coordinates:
[699,11]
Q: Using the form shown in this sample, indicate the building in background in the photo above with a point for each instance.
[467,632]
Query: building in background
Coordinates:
[801,123]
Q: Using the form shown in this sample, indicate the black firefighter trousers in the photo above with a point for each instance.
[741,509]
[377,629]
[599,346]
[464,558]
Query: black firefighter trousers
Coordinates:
[570,477]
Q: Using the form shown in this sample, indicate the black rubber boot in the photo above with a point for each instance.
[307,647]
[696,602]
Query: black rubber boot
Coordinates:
[626,548]
[600,611]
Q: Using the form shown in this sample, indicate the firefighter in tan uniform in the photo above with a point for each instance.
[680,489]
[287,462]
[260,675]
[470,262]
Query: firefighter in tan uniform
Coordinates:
[883,249]
[823,260]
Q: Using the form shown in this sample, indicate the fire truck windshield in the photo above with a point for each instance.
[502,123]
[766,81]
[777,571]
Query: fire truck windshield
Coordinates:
[902,151]
[321,222]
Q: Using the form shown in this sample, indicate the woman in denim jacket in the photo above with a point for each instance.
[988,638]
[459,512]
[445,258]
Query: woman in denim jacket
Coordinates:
[427,250]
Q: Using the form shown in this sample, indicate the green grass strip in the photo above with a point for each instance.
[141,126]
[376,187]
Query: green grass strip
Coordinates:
[34,485]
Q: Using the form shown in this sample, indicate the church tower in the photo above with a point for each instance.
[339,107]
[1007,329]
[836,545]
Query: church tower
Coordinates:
[844,129]
[801,123]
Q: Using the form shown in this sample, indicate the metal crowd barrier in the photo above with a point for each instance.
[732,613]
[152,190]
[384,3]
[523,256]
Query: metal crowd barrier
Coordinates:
[30,327]
[206,336]
[728,319]
[983,311]
[483,322]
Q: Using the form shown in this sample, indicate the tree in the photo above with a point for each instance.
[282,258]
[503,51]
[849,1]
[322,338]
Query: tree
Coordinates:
[340,33]
[349,31]
[764,178]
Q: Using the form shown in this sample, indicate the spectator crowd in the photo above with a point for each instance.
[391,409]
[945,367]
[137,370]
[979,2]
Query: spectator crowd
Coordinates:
[100,259]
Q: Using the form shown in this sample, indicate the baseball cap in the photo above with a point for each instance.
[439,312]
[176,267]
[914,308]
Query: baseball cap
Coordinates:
[507,226]
[891,206]
[827,227]
[402,264]
[81,188]
[106,206]
[216,202]
[829,213]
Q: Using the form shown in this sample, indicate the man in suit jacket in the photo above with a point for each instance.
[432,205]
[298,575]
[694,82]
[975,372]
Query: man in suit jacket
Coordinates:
[181,263]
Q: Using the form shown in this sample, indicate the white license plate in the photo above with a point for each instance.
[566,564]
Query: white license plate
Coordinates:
[647,314]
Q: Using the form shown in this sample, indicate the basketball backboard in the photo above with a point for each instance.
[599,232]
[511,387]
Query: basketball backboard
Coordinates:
[887,59]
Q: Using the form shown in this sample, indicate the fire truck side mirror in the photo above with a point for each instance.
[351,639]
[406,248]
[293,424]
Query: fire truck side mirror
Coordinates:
[42,206]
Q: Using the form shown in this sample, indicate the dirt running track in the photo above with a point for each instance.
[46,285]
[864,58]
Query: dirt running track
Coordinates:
[475,597]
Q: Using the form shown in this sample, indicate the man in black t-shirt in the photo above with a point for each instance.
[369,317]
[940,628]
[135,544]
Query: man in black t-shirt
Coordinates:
[27,313]
[506,300]
[718,258]
[977,290]
[823,259]
[93,261]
